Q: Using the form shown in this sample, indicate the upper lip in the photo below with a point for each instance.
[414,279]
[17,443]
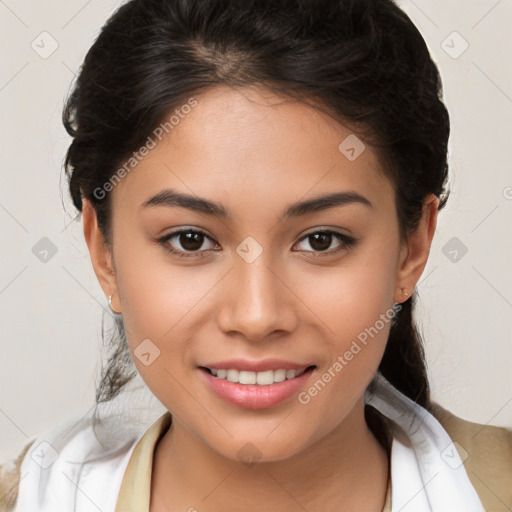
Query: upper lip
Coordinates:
[257,366]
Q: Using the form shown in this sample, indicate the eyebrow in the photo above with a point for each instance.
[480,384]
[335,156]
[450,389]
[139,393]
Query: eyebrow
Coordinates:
[173,198]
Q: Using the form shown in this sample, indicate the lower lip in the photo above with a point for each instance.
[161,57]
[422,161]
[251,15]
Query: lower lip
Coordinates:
[253,396]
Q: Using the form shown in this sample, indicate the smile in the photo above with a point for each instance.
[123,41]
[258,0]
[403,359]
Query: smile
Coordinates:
[256,390]
[265,378]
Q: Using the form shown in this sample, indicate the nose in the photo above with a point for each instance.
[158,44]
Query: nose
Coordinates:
[257,301]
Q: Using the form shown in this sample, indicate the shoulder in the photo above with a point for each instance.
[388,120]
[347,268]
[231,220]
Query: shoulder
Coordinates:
[10,479]
[71,463]
[486,452]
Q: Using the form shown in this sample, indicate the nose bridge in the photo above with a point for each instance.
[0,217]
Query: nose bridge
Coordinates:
[256,301]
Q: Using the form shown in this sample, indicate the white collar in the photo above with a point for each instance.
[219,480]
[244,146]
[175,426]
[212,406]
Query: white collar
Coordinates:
[427,474]
[67,468]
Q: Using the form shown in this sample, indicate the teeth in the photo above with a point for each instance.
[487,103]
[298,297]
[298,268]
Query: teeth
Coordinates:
[261,378]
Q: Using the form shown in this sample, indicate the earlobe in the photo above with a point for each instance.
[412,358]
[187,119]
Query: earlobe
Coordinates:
[99,251]
[414,254]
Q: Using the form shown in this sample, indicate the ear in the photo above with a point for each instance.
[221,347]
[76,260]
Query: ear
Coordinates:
[101,256]
[414,253]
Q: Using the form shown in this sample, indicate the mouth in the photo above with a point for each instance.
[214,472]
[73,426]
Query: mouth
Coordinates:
[261,378]
[256,389]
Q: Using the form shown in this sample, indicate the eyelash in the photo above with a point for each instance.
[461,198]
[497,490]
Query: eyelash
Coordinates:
[347,242]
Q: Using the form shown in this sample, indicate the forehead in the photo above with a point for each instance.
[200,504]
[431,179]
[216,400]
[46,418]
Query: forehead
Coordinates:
[236,145]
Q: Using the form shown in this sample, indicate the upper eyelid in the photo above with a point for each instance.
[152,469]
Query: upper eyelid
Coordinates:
[203,232]
[177,232]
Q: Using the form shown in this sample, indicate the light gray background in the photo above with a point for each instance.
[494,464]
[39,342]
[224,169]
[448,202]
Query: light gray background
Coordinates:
[50,313]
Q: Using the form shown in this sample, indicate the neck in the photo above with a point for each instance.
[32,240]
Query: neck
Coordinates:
[346,470]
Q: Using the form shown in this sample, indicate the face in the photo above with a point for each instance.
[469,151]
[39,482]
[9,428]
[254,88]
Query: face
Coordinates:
[254,283]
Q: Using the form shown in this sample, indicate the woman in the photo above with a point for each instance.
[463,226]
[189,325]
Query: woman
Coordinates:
[260,183]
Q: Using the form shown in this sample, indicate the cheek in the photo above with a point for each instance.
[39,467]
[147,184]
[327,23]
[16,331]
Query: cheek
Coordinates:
[159,299]
[156,292]
[351,297]
[156,305]
[354,303]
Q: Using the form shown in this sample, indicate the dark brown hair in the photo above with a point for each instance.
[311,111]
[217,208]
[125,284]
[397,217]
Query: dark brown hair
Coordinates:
[362,61]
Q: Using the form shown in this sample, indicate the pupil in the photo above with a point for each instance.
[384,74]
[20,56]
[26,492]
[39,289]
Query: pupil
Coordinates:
[191,241]
[326,237]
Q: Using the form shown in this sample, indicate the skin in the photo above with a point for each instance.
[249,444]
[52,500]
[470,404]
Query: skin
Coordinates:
[256,153]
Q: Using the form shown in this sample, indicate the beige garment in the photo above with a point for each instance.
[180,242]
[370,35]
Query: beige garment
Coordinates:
[486,452]
[10,479]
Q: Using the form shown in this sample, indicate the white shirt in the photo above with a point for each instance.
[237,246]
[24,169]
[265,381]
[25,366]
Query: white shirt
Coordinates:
[67,468]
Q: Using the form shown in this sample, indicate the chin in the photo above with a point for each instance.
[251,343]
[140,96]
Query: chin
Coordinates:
[257,448]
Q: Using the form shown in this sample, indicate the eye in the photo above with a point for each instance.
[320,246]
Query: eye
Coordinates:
[320,241]
[190,239]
